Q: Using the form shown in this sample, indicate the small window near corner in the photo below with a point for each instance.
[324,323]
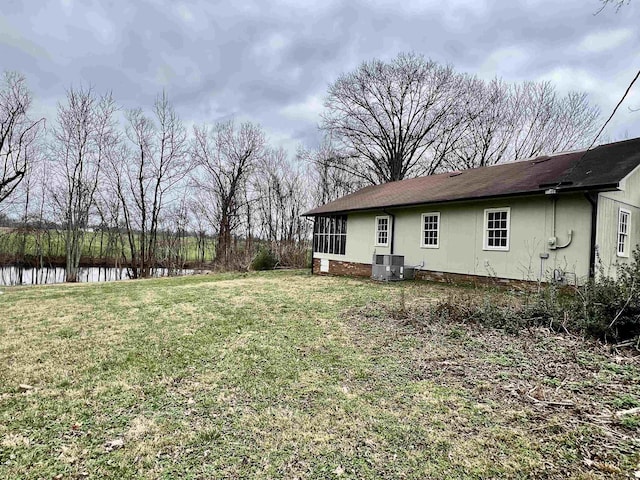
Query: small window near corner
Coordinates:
[496,228]
[624,223]
[430,237]
[382,231]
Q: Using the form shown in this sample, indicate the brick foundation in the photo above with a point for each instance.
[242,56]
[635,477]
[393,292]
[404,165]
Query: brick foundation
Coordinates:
[354,269]
[337,267]
[476,280]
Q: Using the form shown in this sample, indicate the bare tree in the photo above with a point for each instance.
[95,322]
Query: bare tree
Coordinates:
[486,136]
[82,137]
[283,193]
[548,123]
[30,200]
[172,249]
[17,132]
[200,222]
[617,4]
[510,122]
[325,167]
[385,116]
[413,117]
[109,212]
[226,155]
[145,177]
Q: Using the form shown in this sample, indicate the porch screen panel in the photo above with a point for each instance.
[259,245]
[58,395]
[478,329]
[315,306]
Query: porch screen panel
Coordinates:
[330,235]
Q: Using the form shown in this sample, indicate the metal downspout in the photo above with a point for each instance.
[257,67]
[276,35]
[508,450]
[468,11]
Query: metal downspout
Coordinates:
[593,200]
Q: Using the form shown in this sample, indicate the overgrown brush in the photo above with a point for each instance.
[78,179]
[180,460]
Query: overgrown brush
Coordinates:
[264,260]
[610,307]
[606,307]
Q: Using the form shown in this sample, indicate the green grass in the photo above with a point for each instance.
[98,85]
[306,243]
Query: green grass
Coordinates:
[95,244]
[278,375]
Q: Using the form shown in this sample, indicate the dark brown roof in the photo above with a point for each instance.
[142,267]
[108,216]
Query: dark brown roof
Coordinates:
[598,169]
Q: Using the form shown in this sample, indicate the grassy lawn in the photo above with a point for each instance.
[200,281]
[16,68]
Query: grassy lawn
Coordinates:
[283,375]
[51,243]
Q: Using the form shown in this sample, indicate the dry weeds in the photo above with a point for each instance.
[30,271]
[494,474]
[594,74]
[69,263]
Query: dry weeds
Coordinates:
[561,391]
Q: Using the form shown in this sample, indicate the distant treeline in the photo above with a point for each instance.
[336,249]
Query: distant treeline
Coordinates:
[136,187]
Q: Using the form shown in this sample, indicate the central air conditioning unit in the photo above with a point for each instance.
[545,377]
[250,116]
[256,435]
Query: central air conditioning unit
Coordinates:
[390,268]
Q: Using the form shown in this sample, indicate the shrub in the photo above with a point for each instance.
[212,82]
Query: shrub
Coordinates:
[611,307]
[504,310]
[264,260]
[607,307]
[291,254]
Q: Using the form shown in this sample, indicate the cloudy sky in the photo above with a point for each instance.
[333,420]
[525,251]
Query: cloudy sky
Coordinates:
[271,61]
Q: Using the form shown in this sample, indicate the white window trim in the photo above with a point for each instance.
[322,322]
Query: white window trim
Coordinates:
[485,228]
[422,244]
[376,231]
[625,253]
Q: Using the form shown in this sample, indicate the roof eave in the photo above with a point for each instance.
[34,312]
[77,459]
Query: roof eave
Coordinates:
[603,188]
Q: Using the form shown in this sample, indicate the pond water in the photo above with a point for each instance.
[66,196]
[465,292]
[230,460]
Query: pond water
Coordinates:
[47,275]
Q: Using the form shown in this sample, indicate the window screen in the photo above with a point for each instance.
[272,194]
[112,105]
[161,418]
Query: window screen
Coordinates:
[330,234]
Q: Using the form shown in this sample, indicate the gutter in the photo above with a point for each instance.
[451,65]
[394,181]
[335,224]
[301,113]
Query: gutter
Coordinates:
[592,197]
[534,193]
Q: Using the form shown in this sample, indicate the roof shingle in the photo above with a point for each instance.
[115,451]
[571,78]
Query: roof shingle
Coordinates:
[602,167]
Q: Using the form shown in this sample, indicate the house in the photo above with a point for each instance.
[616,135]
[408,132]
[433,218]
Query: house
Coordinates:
[568,214]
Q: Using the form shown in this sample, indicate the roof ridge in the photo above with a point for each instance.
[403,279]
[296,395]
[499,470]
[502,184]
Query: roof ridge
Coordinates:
[517,160]
[600,168]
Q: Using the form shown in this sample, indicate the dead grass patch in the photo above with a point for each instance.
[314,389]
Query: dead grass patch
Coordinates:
[544,388]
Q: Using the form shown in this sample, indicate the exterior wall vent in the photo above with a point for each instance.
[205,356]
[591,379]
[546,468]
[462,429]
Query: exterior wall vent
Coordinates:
[324,265]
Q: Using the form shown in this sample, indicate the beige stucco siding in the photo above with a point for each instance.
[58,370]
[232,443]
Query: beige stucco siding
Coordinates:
[609,204]
[462,228]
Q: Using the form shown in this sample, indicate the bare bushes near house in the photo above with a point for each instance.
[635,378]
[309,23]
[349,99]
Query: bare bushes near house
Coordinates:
[607,307]
[267,256]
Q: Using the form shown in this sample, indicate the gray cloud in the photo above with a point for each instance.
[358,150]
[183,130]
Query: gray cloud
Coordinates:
[272,62]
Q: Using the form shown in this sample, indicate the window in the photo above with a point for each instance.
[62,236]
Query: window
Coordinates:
[382,231]
[496,228]
[330,234]
[624,219]
[430,230]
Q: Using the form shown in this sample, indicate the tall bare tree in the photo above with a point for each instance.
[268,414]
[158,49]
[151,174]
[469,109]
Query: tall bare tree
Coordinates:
[283,192]
[547,123]
[411,117]
[17,132]
[84,134]
[109,210]
[486,136]
[226,155]
[326,168]
[520,121]
[385,116]
[145,177]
